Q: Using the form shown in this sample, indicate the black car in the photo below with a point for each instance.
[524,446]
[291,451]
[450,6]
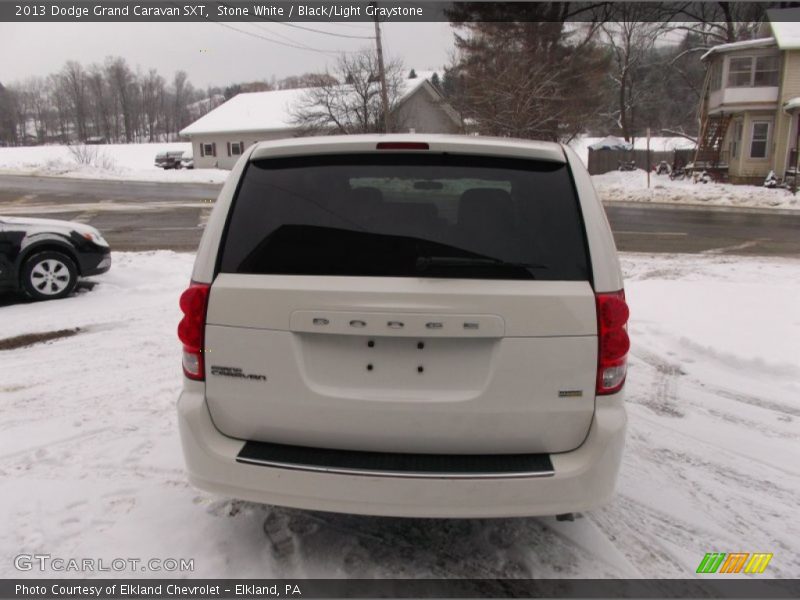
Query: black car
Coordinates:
[172,159]
[44,258]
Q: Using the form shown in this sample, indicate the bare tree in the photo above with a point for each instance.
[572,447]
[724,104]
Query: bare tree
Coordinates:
[121,82]
[152,101]
[74,79]
[302,81]
[717,22]
[20,112]
[182,93]
[34,98]
[349,99]
[10,116]
[631,34]
[109,101]
[59,99]
[101,100]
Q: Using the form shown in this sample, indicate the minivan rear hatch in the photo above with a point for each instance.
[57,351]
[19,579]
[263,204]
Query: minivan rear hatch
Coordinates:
[404,302]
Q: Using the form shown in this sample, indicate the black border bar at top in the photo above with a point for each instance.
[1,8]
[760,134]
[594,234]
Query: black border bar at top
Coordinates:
[112,11]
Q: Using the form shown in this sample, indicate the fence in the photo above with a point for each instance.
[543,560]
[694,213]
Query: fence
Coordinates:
[605,160]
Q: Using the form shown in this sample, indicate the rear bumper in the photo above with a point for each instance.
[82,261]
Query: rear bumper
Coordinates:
[584,478]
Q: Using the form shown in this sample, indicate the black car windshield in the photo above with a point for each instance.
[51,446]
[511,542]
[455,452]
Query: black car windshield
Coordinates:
[407,215]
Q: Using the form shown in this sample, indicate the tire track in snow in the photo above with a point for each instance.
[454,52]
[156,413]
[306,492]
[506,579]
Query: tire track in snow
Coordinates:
[299,541]
[662,398]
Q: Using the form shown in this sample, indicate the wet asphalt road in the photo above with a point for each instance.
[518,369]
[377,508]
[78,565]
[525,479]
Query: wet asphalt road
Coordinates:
[147,216]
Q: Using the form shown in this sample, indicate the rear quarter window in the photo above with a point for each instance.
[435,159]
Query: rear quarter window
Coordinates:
[406,215]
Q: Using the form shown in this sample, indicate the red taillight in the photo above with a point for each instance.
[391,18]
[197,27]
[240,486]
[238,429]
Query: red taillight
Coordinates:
[190,330]
[613,341]
[402,146]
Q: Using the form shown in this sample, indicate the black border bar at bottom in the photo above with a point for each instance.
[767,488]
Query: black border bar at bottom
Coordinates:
[704,587]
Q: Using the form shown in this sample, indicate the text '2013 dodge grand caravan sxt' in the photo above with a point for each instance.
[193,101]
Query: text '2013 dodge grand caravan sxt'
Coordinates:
[406,325]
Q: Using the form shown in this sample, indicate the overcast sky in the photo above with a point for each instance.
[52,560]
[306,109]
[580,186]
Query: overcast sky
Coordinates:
[210,53]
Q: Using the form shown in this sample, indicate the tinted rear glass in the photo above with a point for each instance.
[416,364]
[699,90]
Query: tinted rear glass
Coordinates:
[401,215]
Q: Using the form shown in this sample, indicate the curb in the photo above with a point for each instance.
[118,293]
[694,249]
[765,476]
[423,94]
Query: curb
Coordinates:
[704,207]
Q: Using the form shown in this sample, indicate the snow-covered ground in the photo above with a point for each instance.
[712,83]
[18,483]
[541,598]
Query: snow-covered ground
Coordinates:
[130,162]
[631,186]
[91,465]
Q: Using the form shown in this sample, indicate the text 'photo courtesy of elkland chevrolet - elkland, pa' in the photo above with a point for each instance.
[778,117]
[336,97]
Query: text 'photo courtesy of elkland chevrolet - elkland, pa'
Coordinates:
[411,299]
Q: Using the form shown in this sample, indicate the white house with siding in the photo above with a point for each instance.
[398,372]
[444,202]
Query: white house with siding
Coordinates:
[750,109]
[219,137]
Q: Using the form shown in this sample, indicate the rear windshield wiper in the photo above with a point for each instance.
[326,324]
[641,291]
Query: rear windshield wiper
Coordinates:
[423,262]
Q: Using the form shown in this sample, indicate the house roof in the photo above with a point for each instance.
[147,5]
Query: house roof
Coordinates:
[785,25]
[746,44]
[267,111]
[792,104]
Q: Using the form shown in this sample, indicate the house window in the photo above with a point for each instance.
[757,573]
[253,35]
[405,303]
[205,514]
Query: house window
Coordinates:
[759,139]
[753,71]
[739,72]
[208,150]
[766,71]
[235,148]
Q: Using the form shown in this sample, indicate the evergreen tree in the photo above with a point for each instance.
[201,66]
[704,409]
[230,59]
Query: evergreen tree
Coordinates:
[521,72]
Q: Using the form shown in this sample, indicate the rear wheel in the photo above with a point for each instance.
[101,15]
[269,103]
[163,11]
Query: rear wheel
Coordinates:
[49,275]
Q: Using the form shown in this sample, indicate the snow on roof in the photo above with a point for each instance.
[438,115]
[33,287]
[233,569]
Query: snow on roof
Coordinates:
[611,143]
[792,104]
[785,25]
[267,111]
[757,43]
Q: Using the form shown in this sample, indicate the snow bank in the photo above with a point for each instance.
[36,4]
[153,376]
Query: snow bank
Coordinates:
[130,162]
[91,464]
[631,186]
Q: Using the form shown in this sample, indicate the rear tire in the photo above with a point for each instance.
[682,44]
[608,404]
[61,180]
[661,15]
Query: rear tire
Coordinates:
[49,275]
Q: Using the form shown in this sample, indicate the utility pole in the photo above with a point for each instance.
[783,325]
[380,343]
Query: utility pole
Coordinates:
[648,158]
[387,117]
[796,156]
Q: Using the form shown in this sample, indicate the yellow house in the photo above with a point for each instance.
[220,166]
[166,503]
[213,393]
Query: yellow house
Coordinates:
[750,109]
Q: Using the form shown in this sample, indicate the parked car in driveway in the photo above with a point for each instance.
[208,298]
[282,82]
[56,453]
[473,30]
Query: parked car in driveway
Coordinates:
[187,160]
[406,325]
[44,258]
[169,160]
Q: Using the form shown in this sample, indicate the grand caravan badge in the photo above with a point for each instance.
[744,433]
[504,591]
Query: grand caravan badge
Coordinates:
[236,372]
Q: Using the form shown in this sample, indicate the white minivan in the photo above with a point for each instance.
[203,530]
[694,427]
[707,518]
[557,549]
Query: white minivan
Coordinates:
[408,325]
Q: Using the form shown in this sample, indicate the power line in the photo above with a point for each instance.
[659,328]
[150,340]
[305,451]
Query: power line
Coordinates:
[361,26]
[272,41]
[260,27]
[341,35]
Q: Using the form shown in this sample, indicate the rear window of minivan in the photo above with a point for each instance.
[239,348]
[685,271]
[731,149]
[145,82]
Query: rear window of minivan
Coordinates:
[406,215]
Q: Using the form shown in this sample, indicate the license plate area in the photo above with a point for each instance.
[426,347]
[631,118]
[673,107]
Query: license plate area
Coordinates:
[385,367]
